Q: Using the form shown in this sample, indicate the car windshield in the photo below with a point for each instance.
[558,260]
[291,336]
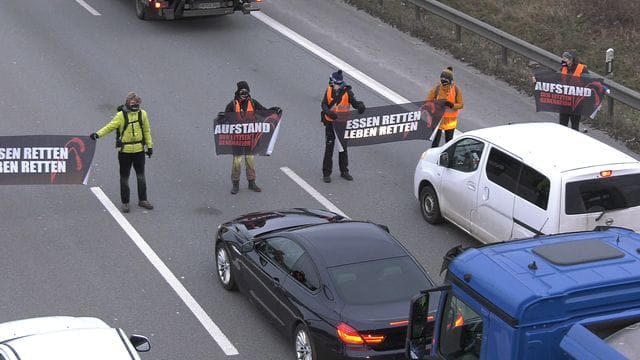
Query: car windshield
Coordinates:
[378,281]
[610,193]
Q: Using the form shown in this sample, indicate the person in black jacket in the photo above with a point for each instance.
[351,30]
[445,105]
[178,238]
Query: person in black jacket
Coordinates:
[338,98]
[570,65]
[244,103]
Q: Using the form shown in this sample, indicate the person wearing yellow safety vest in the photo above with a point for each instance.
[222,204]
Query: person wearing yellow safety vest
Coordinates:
[571,66]
[450,93]
[133,134]
[338,98]
[244,105]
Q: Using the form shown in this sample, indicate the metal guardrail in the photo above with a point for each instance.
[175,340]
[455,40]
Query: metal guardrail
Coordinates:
[508,41]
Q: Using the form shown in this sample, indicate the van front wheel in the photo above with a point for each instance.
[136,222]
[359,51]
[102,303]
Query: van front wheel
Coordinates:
[429,205]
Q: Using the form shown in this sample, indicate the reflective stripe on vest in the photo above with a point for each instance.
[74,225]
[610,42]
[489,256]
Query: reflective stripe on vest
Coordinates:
[249,106]
[577,72]
[342,106]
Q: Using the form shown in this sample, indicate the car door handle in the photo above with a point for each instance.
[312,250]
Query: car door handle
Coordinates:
[275,282]
[471,185]
[485,194]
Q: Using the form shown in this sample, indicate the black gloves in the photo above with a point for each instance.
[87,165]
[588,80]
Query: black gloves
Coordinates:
[277,110]
[332,115]
[220,115]
[449,104]
[149,152]
[93,136]
[361,108]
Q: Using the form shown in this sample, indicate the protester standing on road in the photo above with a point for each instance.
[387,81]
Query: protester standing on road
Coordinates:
[244,105]
[338,98]
[133,134]
[450,93]
[571,66]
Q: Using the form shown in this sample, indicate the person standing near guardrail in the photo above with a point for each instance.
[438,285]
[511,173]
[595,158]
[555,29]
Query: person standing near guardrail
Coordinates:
[570,65]
[450,93]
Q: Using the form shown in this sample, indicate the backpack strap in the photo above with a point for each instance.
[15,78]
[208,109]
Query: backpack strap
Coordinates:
[126,125]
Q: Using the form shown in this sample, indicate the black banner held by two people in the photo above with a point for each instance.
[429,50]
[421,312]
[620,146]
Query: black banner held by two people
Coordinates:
[567,94]
[254,133]
[45,159]
[390,123]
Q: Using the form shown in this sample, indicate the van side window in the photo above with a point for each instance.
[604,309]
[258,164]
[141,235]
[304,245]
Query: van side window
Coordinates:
[534,187]
[465,155]
[503,169]
[461,331]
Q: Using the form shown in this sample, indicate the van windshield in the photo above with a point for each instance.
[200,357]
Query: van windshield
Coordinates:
[604,194]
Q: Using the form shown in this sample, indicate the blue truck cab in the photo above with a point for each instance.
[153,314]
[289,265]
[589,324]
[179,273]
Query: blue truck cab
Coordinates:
[548,297]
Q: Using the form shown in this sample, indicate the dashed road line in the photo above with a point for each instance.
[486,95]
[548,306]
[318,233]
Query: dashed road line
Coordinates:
[88,8]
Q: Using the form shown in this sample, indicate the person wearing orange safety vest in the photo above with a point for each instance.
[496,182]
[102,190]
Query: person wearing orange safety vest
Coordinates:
[571,66]
[338,98]
[450,93]
[244,105]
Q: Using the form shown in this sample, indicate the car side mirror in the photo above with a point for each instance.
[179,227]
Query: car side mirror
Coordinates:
[444,159]
[247,247]
[141,343]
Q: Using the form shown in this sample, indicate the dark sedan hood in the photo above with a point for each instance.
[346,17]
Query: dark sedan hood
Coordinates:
[262,222]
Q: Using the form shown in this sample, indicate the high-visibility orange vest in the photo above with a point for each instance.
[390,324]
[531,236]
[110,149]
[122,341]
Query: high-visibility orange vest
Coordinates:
[450,116]
[577,72]
[249,106]
[342,106]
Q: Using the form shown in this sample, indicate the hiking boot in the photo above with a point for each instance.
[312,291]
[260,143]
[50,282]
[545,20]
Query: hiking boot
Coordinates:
[125,208]
[326,179]
[346,175]
[253,186]
[236,187]
[145,204]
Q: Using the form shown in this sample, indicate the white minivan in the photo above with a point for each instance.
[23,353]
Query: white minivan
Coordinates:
[514,181]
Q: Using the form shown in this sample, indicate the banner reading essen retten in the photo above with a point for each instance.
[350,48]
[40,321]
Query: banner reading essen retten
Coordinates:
[255,133]
[389,123]
[566,94]
[45,159]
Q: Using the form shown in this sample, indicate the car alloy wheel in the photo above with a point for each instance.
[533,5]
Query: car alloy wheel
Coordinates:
[430,206]
[141,11]
[302,342]
[223,263]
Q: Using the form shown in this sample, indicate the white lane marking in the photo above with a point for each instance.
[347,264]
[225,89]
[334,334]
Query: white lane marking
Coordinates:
[331,59]
[313,192]
[175,284]
[88,7]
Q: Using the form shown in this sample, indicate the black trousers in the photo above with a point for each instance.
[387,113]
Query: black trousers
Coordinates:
[575,120]
[126,160]
[327,162]
[448,135]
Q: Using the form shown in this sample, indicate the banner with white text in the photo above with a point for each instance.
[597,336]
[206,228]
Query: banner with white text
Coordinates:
[45,159]
[565,94]
[254,133]
[389,123]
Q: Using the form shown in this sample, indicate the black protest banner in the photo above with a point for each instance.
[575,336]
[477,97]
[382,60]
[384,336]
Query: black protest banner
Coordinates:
[253,133]
[567,94]
[45,159]
[389,123]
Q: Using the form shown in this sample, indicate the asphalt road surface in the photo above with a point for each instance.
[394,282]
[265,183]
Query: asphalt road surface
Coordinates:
[66,65]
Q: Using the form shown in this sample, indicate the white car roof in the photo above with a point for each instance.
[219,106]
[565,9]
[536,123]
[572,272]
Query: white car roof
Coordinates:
[551,147]
[14,329]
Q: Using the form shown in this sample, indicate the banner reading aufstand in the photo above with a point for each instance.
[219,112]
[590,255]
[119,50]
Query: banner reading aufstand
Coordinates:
[45,159]
[390,123]
[566,94]
[255,133]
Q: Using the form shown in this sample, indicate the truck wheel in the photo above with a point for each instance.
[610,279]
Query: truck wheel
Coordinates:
[142,11]
[429,205]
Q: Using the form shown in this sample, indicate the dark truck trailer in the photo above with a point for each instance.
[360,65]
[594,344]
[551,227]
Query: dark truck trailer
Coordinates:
[175,9]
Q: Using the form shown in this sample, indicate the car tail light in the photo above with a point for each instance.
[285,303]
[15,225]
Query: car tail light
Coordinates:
[399,323]
[606,173]
[349,335]
[158,4]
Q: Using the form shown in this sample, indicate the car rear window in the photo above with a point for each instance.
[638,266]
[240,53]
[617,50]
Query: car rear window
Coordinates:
[378,281]
[611,193]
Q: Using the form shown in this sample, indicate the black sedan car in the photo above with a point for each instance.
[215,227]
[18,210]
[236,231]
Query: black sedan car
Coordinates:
[340,289]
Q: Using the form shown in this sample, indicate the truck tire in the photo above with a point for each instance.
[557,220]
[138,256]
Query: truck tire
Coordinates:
[142,11]
[429,205]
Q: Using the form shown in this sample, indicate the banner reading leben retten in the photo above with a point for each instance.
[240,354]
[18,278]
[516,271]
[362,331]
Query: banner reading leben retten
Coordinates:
[390,123]
[568,94]
[254,133]
[45,159]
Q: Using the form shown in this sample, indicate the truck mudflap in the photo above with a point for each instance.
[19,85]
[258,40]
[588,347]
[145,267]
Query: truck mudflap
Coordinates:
[604,337]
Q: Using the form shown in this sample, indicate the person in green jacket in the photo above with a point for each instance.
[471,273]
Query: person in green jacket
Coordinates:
[133,134]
